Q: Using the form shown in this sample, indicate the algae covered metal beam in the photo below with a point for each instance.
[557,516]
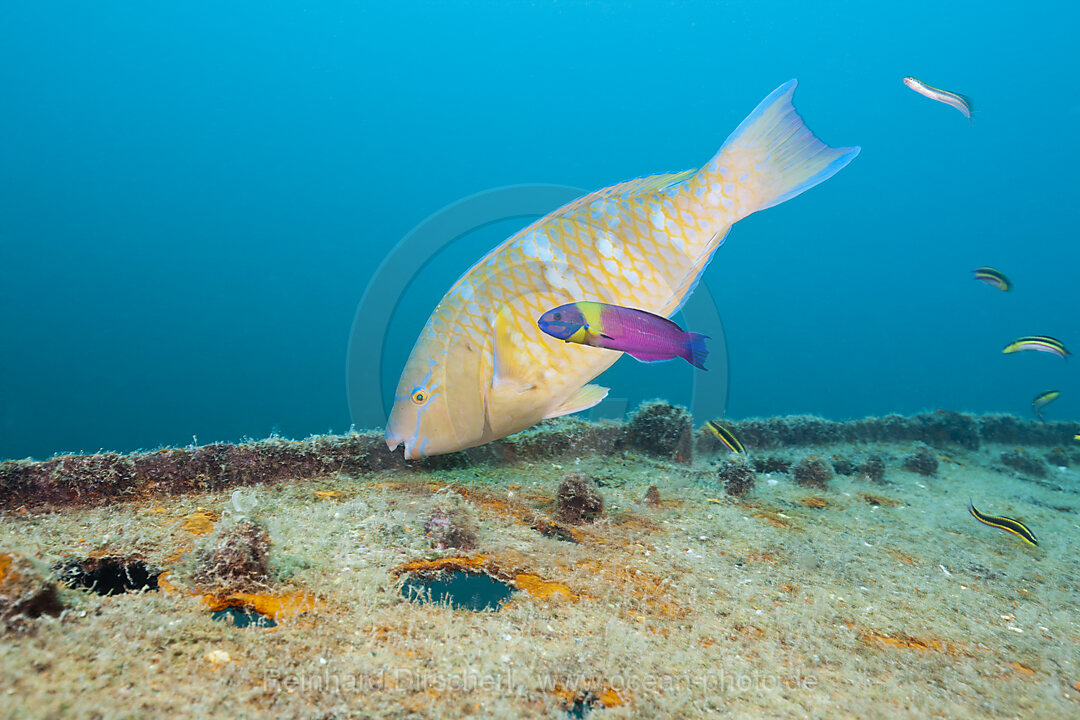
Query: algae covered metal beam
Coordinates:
[73,480]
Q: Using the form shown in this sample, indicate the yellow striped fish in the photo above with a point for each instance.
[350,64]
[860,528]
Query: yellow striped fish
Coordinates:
[482,369]
[1039,343]
[1042,400]
[956,100]
[725,436]
[994,278]
[1007,524]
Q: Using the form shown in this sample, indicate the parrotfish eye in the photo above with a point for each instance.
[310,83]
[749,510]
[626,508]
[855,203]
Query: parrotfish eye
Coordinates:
[419,397]
[557,317]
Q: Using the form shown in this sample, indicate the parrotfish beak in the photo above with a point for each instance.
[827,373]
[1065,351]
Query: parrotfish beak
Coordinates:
[413,448]
[411,452]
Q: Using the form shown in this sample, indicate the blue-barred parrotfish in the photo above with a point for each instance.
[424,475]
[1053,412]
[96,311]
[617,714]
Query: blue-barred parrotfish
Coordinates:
[1042,400]
[956,100]
[1038,343]
[1007,524]
[640,334]
[993,278]
[482,369]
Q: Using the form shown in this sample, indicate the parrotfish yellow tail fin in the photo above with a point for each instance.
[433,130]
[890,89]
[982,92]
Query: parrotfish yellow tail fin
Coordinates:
[771,157]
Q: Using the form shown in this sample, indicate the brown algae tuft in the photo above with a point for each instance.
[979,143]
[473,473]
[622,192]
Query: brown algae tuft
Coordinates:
[1025,463]
[662,429]
[873,468]
[577,501]
[738,477]
[652,497]
[813,471]
[1058,457]
[921,460]
[450,529]
[238,562]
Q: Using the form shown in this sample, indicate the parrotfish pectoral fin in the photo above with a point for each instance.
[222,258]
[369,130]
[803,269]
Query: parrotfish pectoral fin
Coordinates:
[771,157]
[583,399]
[696,352]
[510,368]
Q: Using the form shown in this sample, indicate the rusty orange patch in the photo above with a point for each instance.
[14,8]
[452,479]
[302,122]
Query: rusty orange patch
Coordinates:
[279,607]
[761,557]
[610,698]
[907,642]
[166,585]
[540,588]
[814,502]
[1022,668]
[5,562]
[199,523]
[447,564]
[774,518]
[878,500]
[651,590]
[327,494]
[902,557]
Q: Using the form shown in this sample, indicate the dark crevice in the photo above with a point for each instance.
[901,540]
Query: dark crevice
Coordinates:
[109,575]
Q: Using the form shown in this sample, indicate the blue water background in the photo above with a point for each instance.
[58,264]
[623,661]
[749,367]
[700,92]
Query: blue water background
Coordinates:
[193,196]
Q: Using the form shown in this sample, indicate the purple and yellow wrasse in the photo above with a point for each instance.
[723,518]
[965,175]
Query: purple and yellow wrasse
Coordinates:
[640,334]
[1039,343]
[482,369]
[993,278]
[956,100]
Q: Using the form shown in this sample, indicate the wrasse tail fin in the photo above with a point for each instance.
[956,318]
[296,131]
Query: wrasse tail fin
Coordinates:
[586,397]
[696,352]
[771,157]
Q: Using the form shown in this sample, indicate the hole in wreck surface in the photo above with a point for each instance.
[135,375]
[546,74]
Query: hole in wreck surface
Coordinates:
[462,590]
[110,575]
[242,618]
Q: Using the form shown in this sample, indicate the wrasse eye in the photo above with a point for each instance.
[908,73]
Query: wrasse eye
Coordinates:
[419,397]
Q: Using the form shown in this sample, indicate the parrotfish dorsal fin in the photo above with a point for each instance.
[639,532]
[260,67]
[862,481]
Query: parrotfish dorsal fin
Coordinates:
[510,366]
[586,397]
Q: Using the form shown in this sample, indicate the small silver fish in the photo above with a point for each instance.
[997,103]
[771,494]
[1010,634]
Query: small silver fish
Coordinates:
[956,100]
